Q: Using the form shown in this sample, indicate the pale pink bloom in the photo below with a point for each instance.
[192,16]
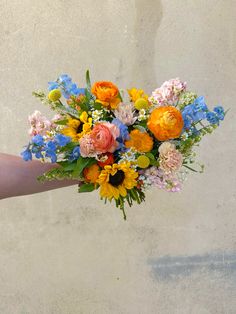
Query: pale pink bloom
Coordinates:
[126,113]
[87,148]
[104,136]
[169,92]
[169,157]
[157,178]
[39,124]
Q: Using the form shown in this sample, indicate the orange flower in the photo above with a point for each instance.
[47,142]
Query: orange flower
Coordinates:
[107,94]
[166,123]
[91,173]
[106,159]
[141,141]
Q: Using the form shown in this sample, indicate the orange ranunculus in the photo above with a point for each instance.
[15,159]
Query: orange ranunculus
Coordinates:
[107,94]
[141,141]
[91,173]
[166,123]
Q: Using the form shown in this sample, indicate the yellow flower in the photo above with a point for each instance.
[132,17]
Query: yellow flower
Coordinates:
[116,179]
[141,141]
[78,128]
[54,95]
[135,94]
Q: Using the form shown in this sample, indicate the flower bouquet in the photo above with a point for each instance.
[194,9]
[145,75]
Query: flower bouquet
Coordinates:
[120,143]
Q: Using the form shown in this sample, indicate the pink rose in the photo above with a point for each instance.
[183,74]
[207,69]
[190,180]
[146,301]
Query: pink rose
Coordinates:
[104,136]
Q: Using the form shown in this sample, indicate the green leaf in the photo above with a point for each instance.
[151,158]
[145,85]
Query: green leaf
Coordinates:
[97,106]
[88,81]
[61,122]
[87,187]
[81,164]
[150,156]
[140,128]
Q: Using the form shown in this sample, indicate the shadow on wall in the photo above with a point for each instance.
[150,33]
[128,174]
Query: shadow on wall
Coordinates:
[174,267]
[147,21]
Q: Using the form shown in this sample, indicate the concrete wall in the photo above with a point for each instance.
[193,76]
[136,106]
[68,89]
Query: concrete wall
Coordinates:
[63,253]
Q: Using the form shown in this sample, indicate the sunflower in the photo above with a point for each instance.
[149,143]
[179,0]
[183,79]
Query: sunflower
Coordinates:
[77,128]
[116,179]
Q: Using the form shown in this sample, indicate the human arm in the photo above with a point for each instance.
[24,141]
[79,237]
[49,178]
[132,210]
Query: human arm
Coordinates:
[18,177]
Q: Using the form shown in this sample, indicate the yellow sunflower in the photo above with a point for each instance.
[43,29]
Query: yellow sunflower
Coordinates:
[116,179]
[77,128]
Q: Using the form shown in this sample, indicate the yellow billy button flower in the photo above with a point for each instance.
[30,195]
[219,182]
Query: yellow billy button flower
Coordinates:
[141,103]
[54,95]
[143,161]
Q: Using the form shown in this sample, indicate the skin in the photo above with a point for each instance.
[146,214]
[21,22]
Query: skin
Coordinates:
[18,177]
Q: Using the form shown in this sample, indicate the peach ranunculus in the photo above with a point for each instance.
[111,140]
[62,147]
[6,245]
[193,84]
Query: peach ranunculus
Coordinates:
[166,123]
[87,148]
[107,94]
[104,137]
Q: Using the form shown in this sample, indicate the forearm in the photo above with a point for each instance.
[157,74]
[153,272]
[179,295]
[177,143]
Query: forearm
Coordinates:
[18,177]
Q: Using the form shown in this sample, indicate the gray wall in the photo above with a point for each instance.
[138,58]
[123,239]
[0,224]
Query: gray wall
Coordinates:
[65,253]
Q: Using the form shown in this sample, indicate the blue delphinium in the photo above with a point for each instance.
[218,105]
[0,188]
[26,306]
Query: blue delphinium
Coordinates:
[212,117]
[62,140]
[37,140]
[50,151]
[194,112]
[68,88]
[219,110]
[75,154]
[26,154]
[124,133]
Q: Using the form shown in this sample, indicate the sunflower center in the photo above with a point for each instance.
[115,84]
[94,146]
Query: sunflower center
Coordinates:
[79,128]
[117,179]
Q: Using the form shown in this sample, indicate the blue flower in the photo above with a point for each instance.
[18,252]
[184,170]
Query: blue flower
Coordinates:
[26,154]
[219,110]
[124,132]
[212,118]
[62,140]
[50,150]
[200,104]
[67,87]
[52,85]
[75,154]
[37,140]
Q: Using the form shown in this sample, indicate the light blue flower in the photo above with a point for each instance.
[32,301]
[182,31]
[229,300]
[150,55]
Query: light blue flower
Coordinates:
[67,87]
[124,131]
[37,140]
[62,140]
[212,118]
[220,112]
[75,154]
[50,150]
[26,154]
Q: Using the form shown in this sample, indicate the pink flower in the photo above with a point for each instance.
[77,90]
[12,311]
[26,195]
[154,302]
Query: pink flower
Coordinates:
[125,113]
[168,94]
[104,137]
[170,158]
[87,148]
[157,178]
[39,124]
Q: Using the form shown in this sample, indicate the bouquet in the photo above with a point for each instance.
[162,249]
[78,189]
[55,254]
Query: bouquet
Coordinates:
[118,142]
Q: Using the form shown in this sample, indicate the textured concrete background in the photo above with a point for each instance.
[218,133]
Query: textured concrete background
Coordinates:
[65,253]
